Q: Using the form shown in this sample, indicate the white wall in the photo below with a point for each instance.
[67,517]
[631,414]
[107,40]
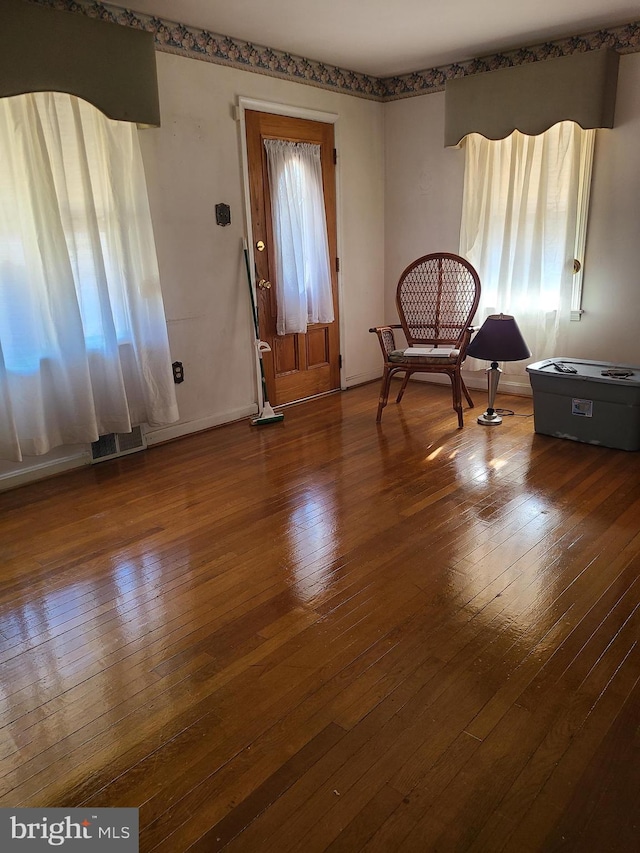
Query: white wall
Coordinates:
[193,162]
[423,205]
[423,187]
[609,328]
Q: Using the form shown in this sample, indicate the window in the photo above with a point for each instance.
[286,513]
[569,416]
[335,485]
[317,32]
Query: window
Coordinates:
[83,340]
[524,221]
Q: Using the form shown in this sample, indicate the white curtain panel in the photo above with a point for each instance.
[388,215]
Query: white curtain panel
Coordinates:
[519,228]
[303,277]
[83,339]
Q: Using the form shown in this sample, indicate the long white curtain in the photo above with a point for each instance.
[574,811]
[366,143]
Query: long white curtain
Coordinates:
[83,339]
[520,224]
[303,277]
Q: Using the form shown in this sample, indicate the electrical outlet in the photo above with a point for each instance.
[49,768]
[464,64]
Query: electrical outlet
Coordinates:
[178,372]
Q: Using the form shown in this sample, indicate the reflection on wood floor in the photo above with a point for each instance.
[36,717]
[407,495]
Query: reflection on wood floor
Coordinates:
[329,635]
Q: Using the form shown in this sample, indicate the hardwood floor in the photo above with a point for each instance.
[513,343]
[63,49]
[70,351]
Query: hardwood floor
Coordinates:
[329,635]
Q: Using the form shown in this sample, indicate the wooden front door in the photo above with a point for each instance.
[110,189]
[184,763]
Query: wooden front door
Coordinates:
[299,365]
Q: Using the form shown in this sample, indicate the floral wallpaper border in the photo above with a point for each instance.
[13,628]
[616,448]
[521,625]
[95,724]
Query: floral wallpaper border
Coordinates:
[177,38]
[623,39]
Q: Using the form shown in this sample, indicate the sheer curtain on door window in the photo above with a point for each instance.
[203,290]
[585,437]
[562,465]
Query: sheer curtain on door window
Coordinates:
[303,277]
[521,226]
[83,338]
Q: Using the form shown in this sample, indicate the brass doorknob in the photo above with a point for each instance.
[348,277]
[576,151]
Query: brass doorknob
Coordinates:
[265,285]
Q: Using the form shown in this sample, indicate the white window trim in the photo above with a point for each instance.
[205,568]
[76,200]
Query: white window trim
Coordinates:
[581,233]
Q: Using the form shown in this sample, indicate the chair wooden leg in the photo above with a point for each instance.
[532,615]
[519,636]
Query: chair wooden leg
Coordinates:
[466,393]
[384,392]
[404,385]
[456,389]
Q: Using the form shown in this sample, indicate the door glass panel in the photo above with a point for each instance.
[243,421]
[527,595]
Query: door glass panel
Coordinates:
[303,277]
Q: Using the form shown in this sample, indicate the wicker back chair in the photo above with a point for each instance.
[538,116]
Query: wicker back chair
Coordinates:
[437,297]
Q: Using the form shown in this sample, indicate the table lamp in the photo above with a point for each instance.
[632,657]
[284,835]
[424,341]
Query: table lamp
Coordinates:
[499,339]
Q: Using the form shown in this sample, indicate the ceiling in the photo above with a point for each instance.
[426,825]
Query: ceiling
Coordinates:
[388,37]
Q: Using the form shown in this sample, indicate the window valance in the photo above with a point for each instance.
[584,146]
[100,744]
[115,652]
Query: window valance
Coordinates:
[112,67]
[532,98]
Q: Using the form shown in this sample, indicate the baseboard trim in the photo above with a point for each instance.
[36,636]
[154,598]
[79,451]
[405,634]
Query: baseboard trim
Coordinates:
[362,378]
[42,470]
[168,433]
[479,383]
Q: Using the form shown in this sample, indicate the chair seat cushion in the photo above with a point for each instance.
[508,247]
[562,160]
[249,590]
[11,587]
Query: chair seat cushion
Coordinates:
[398,357]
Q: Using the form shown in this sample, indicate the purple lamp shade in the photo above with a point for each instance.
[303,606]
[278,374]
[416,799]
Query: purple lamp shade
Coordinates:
[499,339]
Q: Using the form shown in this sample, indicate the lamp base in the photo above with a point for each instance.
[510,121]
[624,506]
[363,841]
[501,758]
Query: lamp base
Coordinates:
[489,419]
[493,377]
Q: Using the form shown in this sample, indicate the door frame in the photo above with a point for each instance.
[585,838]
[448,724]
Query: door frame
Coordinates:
[291,112]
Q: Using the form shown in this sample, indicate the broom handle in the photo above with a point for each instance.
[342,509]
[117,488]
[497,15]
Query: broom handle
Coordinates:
[254,312]
[254,309]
